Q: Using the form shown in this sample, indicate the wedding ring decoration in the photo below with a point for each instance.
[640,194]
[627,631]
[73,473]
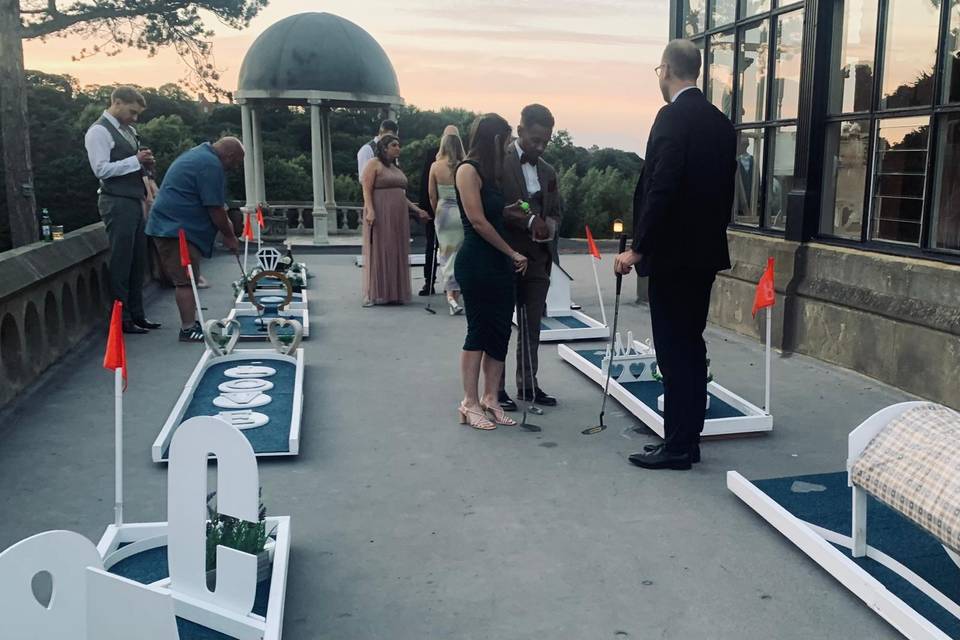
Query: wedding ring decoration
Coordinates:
[221,336]
[268,258]
[260,303]
[284,344]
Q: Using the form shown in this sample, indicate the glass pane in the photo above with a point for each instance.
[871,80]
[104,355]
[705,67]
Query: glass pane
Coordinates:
[703,75]
[845,178]
[780,174]
[720,91]
[746,203]
[899,179]
[787,70]
[753,72]
[753,7]
[951,84]
[910,53]
[946,213]
[851,81]
[694,17]
[724,12]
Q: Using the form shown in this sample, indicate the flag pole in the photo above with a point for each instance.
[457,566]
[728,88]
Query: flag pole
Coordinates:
[246,240]
[596,278]
[259,228]
[766,395]
[196,294]
[118,437]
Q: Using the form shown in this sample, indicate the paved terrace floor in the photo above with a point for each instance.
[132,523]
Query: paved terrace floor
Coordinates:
[407,526]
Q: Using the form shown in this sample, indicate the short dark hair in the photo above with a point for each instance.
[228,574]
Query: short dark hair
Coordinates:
[684,59]
[389,125]
[381,151]
[534,114]
[128,95]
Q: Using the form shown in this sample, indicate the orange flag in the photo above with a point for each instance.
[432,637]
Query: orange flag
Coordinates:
[116,355]
[592,245]
[184,250]
[260,222]
[765,296]
[247,227]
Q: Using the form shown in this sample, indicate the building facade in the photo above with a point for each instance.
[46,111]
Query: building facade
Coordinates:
[848,121]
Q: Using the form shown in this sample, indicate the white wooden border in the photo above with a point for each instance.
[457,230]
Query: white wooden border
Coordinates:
[250,627]
[176,415]
[413,259]
[300,315]
[595,330]
[754,419]
[806,537]
[241,302]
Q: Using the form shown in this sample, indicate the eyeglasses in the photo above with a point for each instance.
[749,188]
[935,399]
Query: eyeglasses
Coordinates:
[659,70]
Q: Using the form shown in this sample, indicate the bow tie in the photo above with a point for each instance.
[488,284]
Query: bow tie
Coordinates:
[525,159]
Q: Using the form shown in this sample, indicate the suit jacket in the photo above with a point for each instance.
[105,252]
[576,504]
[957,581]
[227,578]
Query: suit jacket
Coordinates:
[514,188]
[684,198]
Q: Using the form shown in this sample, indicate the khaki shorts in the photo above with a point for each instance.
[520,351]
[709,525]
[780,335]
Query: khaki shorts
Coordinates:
[169,251]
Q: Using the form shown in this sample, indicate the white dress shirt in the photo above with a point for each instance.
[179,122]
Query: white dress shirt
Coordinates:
[99,144]
[530,175]
[364,156]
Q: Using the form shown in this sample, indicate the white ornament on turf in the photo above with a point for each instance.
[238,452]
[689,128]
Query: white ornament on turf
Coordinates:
[273,334]
[245,384]
[242,400]
[250,371]
[221,336]
[244,419]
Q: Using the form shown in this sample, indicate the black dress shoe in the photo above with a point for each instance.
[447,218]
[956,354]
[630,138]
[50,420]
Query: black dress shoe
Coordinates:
[539,397]
[425,291]
[130,327]
[694,453]
[506,402]
[660,458]
[143,323]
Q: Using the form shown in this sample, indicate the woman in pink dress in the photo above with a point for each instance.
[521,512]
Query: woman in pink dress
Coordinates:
[386,227]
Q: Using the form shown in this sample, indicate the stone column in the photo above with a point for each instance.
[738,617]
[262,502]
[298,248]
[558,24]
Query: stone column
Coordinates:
[249,173]
[331,203]
[318,141]
[260,190]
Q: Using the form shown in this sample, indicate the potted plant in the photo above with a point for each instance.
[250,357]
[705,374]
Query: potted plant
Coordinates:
[249,537]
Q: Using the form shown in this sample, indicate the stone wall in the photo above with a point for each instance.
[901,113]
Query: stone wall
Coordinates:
[893,318]
[51,296]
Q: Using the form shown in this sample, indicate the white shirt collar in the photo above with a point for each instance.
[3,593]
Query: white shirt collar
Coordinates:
[111,119]
[516,145]
[679,93]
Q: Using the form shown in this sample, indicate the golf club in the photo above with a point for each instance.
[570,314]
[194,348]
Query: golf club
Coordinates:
[522,318]
[533,408]
[589,431]
[431,281]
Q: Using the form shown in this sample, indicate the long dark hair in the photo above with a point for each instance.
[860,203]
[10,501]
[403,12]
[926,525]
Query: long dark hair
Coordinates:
[381,151]
[488,135]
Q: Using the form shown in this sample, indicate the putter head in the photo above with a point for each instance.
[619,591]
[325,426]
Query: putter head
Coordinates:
[526,426]
[589,431]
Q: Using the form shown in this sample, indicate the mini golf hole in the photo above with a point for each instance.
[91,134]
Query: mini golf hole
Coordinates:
[42,587]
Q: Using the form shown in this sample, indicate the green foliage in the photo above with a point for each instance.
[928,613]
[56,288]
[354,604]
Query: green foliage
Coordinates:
[347,189]
[248,537]
[168,137]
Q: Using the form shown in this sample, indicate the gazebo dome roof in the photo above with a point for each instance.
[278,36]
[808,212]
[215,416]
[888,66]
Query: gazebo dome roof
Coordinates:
[318,56]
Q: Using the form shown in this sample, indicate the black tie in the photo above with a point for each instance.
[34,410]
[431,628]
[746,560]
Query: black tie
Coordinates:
[525,159]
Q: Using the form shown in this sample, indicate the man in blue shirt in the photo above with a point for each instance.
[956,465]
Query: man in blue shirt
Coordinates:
[193,198]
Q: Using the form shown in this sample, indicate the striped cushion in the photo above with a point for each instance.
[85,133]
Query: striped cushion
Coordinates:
[913,466]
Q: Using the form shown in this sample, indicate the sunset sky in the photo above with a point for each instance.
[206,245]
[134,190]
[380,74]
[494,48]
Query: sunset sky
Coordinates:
[591,61]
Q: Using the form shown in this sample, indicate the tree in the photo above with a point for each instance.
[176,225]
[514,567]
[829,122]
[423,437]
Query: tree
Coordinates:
[114,25]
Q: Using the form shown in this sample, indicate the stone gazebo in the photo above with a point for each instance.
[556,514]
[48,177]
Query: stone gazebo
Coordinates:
[320,60]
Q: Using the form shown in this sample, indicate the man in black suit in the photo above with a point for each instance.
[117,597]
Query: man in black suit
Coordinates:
[685,200]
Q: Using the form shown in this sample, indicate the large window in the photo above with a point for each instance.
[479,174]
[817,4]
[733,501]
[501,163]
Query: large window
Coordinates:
[753,57]
[885,123]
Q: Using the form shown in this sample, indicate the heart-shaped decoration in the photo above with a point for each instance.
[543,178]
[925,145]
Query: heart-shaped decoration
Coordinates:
[287,343]
[221,336]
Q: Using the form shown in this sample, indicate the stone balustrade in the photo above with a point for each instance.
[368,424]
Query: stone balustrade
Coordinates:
[51,296]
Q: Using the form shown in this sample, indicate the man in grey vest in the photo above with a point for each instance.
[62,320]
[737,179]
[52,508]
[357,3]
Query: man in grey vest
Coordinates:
[117,160]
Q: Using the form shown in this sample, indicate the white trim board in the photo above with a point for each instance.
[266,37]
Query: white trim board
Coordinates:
[300,315]
[754,420]
[595,330]
[414,260]
[808,539]
[250,627]
[176,414]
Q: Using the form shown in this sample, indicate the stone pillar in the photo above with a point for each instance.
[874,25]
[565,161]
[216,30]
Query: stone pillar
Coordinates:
[318,142]
[249,173]
[331,203]
[260,190]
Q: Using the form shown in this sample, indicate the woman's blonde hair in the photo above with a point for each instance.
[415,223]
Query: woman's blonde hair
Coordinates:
[451,150]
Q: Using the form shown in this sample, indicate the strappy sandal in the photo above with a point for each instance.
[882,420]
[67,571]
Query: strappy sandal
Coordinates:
[499,416]
[474,418]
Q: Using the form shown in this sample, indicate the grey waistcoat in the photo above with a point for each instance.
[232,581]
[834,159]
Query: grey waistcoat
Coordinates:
[126,186]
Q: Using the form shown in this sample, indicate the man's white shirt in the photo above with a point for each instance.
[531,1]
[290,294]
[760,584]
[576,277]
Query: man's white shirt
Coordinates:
[364,156]
[99,143]
[530,175]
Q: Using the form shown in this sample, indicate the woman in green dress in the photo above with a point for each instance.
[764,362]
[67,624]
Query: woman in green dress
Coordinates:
[485,267]
[446,220]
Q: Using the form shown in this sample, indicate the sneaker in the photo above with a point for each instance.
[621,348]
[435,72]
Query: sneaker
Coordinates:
[192,334]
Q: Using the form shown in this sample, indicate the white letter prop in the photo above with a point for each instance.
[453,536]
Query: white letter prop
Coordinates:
[65,555]
[238,486]
[121,609]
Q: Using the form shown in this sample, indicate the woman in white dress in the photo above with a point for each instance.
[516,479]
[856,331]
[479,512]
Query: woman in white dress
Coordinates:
[443,198]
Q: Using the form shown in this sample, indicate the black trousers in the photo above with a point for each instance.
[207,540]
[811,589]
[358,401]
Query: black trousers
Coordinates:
[123,218]
[679,302]
[531,292]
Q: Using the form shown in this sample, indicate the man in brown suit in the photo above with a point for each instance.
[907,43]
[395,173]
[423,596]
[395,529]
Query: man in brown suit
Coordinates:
[528,177]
